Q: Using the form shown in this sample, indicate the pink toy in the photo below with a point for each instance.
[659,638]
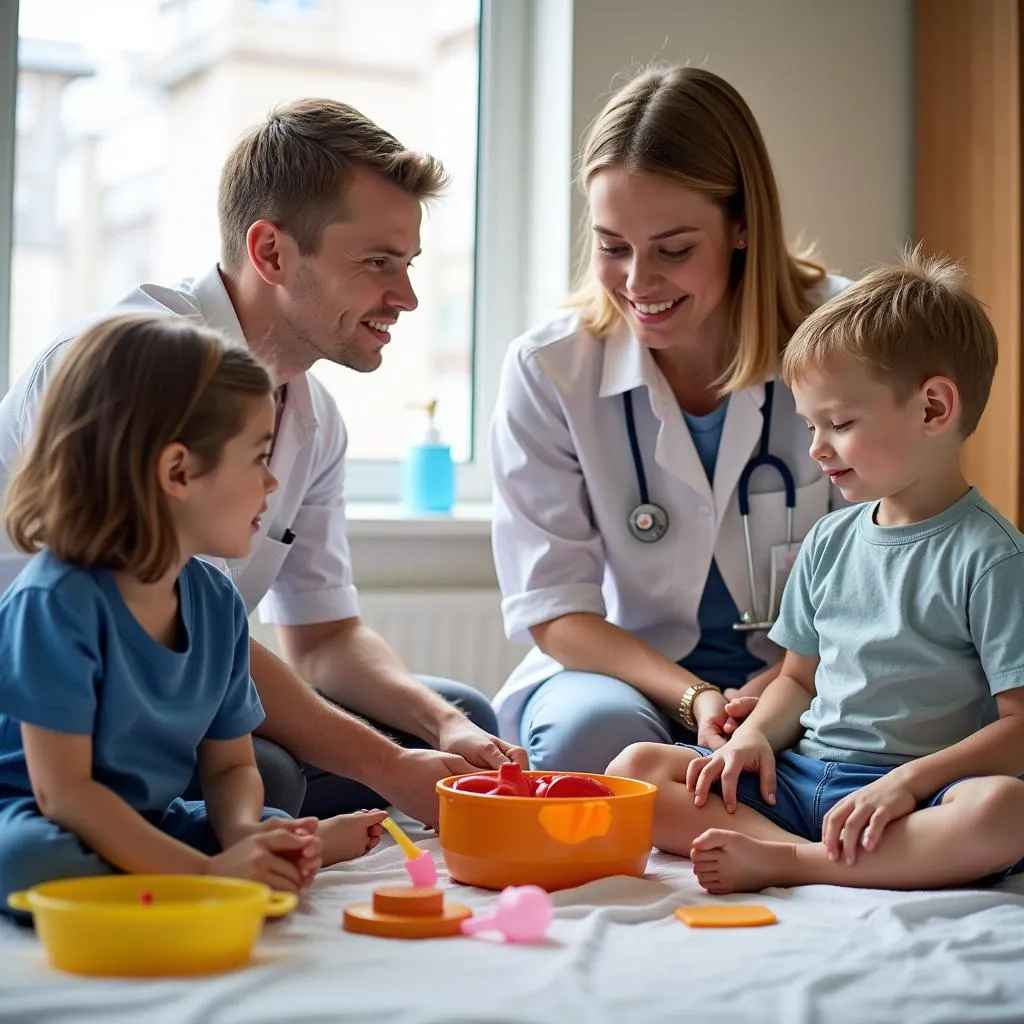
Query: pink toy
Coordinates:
[419,865]
[422,870]
[523,914]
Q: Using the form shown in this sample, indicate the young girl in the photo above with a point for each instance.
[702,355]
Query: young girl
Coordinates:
[123,657]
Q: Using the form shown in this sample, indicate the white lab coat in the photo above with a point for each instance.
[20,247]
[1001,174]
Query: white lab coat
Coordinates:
[309,580]
[565,483]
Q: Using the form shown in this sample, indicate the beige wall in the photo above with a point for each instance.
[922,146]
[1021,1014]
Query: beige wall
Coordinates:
[831,84]
[829,81]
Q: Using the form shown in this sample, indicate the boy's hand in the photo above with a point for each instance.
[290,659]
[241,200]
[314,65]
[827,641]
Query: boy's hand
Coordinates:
[747,751]
[737,709]
[860,818]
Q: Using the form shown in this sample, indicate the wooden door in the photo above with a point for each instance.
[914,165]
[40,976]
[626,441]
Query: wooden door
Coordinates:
[968,198]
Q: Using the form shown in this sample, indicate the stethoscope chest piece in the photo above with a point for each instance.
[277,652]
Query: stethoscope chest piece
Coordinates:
[648,522]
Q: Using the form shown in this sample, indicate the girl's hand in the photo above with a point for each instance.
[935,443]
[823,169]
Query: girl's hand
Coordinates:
[272,857]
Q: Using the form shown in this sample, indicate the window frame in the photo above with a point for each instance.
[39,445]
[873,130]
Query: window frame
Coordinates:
[8,97]
[501,193]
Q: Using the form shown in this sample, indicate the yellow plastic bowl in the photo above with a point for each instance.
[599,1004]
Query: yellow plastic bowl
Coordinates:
[495,841]
[100,926]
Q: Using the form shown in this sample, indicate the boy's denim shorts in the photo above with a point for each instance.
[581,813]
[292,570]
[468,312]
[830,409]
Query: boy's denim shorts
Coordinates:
[808,788]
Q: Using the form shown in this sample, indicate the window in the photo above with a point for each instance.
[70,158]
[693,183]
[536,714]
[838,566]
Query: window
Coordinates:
[127,108]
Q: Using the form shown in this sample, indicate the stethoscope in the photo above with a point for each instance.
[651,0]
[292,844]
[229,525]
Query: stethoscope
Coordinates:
[648,521]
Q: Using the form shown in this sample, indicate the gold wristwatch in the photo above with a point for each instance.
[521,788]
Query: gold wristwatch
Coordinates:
[686,703]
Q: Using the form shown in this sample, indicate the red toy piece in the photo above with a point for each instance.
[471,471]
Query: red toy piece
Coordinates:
[514,776]
[576,785]
[511,780]
[488,785]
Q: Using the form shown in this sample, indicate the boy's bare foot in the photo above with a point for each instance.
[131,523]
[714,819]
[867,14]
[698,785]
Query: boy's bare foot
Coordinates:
[347,836]
[732,862]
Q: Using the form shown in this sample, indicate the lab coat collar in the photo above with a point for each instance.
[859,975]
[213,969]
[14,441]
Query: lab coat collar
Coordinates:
[627,363]
[215,303]
[299,420]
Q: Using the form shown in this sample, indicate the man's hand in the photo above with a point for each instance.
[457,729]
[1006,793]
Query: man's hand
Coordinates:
[482,750]
[410,782]
[865,813]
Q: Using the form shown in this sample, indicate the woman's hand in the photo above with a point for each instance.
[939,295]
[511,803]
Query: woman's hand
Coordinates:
[711,716]
[717,718]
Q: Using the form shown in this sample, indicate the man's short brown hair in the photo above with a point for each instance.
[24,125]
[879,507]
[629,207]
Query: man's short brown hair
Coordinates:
[906,323]
[293,168]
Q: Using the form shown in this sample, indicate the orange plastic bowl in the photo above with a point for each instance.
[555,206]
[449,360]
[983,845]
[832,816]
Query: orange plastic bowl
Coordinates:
[495,841]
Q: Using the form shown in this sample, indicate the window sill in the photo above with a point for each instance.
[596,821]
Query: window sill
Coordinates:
[392,521]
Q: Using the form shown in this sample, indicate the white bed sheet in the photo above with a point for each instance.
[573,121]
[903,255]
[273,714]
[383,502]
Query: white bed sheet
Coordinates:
[615,953]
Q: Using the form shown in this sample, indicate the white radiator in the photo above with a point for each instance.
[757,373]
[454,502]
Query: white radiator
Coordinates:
[453,633]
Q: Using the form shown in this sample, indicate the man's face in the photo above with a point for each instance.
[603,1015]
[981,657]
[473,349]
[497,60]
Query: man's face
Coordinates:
[340,303]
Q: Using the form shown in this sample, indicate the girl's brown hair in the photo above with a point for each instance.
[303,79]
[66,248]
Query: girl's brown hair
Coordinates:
[690,126]
[126,389]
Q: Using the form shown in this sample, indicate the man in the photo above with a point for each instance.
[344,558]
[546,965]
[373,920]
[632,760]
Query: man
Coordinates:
[320,214]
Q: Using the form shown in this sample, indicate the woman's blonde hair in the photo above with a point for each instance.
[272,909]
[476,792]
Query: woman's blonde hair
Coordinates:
[691,127]
[126,389]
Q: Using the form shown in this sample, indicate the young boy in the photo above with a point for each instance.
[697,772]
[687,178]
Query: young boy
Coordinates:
[899,711]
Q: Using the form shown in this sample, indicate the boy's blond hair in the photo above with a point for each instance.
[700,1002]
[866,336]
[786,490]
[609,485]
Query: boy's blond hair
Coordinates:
[906,323]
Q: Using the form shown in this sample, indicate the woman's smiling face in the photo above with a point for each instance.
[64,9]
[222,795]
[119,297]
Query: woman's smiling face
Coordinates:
[663,252]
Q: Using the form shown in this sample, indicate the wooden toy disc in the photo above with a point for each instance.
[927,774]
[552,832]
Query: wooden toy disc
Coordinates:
[408,901]
[731,915]
[364,920]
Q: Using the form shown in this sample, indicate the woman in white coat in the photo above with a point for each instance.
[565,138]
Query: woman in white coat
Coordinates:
[622,431]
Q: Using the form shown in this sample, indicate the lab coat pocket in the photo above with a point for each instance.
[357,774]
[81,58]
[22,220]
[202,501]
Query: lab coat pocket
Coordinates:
[768,515]
[768,520]
[768,530]
[255,576]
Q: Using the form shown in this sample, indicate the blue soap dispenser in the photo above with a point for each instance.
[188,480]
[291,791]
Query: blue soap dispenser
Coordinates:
[429,479]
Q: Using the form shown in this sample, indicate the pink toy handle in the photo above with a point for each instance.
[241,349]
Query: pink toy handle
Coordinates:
[472,925]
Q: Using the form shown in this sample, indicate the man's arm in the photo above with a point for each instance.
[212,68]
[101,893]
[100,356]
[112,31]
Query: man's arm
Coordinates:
[311,728]
[349,662]
[314,730]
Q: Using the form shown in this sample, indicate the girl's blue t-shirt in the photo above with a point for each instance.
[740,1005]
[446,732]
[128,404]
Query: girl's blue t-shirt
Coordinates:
[74,659]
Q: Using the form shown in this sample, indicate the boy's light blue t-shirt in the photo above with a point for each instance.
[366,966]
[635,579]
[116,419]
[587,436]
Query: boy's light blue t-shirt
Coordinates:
[74,659]
[917,628]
